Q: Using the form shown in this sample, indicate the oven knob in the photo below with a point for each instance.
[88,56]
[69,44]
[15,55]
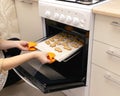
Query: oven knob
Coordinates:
[81,25]
[68,19]
[62,17]
[75,21]
[56,15]
[47,13]
[82,21]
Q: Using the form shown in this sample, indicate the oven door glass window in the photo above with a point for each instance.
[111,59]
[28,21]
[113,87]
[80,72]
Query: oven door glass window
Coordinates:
[69,73]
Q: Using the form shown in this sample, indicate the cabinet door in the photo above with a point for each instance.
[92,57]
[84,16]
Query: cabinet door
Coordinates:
[106,56]
[29,20]
[107,30]
[104,83]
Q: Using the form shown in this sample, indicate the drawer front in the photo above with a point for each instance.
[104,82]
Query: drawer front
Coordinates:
[106,56]
[107,30]
[104,83]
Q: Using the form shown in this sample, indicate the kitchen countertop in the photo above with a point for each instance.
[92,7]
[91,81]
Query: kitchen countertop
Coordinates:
[110,8]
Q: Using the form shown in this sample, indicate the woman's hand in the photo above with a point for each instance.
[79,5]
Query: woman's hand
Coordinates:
[22,45]
[42,57]
[6,44]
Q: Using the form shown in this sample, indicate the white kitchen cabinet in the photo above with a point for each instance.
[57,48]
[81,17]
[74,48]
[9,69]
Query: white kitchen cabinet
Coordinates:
[105,75]
[104,56]
[104,83]
[28,19]
[107,30]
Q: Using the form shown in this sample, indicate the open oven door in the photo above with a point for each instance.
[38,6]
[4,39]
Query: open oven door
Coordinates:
[69,73]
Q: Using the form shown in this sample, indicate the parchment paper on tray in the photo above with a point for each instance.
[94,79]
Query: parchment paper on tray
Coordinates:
[62,44]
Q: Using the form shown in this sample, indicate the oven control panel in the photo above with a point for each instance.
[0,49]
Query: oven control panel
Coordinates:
[77,17]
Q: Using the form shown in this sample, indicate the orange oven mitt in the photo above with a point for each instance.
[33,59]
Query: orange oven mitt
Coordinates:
[31,46]
[51,57]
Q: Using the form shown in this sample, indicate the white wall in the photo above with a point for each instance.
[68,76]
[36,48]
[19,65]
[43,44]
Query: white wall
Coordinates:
[8,19]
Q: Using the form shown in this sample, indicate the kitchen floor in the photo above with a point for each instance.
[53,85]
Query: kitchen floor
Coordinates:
[23,89]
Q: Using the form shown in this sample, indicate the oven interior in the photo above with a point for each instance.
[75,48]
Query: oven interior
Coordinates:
[69,73]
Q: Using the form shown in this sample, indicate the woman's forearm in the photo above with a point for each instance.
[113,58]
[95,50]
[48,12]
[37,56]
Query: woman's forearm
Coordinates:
[15,61]
[6,44]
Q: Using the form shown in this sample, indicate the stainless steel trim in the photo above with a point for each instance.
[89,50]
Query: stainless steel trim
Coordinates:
[25,79]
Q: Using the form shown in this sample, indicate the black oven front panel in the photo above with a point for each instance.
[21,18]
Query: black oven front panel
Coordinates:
[69,73]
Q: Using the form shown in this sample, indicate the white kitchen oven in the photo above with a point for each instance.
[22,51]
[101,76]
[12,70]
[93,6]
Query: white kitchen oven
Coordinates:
[72,24]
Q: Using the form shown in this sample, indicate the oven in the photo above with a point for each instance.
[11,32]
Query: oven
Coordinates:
[71,69]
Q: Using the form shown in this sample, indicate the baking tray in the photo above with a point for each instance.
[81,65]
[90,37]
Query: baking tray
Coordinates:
[67,43]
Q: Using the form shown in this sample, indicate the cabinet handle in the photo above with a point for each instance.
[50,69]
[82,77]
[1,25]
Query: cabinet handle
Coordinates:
[115,23]
[113,52]
[109,76]
[27,1]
